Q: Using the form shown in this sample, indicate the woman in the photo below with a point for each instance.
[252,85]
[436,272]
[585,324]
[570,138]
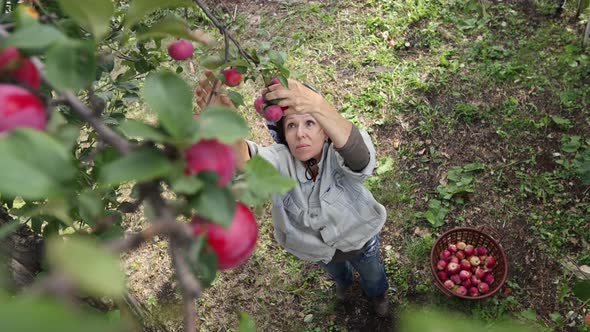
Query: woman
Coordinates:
[329,217]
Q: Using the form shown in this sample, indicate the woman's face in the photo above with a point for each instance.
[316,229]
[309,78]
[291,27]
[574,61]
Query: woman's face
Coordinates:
[304,136]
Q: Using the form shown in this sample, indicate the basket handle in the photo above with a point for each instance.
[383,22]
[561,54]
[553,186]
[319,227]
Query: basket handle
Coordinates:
[491,230]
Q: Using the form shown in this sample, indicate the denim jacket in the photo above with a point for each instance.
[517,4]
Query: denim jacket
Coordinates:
[334,212]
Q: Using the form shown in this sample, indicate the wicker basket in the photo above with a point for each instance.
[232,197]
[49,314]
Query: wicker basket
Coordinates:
[474,237]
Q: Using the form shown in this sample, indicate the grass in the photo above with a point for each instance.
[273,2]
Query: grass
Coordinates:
[503,85]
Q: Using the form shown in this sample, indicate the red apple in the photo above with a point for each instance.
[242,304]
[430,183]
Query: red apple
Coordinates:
[449,284]
[211,155]
[232,245]
[273,113]
[465,275]
[445,254]
[232,76]
[481,250]
[455,279]
[461,290]
[20,108]
[466,283]
[465,265]
[9,59]
[453,268]
[490,262]
[474,260]
[181,49]
[258,104]
[273,81]
[460,254]
[452,248]
[480,272]
[483,287]
[27,73]
[488,278]
[441,265]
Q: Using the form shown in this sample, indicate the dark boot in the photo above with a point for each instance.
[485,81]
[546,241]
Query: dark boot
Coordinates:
[381,305]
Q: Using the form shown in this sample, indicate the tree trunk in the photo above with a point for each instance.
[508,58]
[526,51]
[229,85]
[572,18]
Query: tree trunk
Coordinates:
[23,251]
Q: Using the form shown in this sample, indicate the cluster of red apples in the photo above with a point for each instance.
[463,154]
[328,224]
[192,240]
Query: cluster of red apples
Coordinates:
[269,108]
[465,269]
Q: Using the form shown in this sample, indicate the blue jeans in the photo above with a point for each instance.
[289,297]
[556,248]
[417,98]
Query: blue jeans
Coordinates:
[367,263]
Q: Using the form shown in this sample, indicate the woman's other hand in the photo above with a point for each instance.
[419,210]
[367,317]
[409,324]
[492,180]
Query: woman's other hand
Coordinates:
[206,86]
[302,100]
[298,98]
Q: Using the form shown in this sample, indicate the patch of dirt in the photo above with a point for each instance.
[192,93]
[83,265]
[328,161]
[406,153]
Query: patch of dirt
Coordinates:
[358,315]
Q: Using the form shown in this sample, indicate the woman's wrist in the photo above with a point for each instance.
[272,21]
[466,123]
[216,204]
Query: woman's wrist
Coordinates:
[334,124]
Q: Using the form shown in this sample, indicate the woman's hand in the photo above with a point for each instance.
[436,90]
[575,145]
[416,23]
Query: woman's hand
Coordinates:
[298,98]
[206,86]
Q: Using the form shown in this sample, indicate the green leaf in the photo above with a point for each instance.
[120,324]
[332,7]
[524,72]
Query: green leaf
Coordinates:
[90,206]
[216,204]
[436,213]
[246,323]
[169,26]
[571,144]
[37,224]
[187,185]
[473,167]
[33,37]
[556,317]
[582,290]
[58,208]
[140,165]
[171,98]
[278,58]
[385,165]
[137,129]
[240,64]
[71,64]
[203,261]
[264,179]
[558,120]
[59,127]
[34,165]
[139,9]
[28,313]
[222,123]
[283,80]
[8,228]
[92,268]
[236,98]
[94,16]
[213,62]
[529,314]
